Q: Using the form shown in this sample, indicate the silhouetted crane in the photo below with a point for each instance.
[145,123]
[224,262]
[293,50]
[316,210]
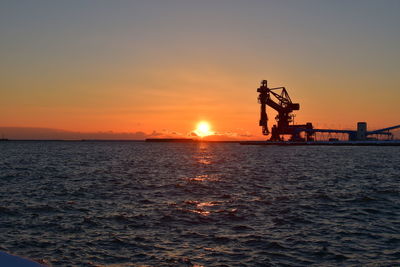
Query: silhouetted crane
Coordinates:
[279,99]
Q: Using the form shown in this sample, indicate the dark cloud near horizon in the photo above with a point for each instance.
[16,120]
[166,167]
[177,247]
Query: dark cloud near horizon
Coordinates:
[37,133]
[32,133]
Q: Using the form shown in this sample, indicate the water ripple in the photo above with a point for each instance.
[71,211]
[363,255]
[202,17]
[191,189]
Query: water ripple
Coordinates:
[149,204]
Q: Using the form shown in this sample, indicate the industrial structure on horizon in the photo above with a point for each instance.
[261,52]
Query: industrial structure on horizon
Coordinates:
[279,100]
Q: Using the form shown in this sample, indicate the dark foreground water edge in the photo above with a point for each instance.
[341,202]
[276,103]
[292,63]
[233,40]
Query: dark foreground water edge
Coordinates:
[205,204]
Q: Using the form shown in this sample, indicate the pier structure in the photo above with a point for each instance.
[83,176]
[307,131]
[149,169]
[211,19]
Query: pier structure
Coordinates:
[278,99]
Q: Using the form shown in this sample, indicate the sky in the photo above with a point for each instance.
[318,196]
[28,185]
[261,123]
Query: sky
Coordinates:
[156,68]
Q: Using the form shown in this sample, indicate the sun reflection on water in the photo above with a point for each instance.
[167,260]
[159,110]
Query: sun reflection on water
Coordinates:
[204,160]
[201,212]
[204,156]
[204,208]
[200,207]
[203,178]
[207,204]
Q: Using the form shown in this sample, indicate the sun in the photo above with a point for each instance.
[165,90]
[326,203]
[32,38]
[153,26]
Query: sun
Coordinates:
[203,129]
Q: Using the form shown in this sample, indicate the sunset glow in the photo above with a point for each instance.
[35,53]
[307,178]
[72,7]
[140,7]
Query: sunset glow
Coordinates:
[203,129]
[152,69]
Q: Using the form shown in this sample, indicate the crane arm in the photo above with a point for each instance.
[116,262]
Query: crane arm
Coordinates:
[274,105]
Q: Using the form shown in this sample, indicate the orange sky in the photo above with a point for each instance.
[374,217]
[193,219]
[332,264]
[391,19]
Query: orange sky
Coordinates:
[130,67]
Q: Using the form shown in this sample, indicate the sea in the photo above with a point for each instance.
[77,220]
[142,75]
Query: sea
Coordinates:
[71,203]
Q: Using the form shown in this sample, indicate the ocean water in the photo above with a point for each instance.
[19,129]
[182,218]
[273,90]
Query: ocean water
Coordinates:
[173,204]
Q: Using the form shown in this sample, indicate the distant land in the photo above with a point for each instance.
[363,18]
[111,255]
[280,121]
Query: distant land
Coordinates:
[38,133]
[33,133]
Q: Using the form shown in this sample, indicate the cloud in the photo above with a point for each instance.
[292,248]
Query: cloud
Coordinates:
[165,133]
[36,133]
[155,134]
[225,136]
[32,133]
